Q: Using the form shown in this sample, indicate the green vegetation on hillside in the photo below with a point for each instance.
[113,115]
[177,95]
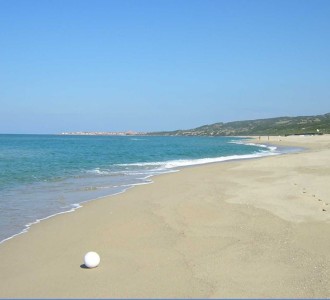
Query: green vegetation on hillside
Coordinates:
[275,126]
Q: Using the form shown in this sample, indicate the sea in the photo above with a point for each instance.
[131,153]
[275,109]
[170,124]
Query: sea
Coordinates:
[45,175]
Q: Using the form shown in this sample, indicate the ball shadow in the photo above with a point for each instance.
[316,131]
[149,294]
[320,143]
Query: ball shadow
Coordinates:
[83,266]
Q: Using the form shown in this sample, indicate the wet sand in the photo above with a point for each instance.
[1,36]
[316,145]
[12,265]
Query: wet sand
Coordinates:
[253,228]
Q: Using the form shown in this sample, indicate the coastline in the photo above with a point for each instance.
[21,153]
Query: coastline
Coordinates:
[168,166]
[247,228]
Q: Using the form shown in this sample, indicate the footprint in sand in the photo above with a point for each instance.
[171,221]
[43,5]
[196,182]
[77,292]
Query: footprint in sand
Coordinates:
[314,196]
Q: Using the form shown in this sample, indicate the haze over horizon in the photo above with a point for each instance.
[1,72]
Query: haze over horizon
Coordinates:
[160,65]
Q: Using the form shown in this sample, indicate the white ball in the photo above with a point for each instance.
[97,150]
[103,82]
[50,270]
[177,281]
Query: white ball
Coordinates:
[91,259]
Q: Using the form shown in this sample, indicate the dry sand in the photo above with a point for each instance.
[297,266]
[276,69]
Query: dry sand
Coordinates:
[253,228]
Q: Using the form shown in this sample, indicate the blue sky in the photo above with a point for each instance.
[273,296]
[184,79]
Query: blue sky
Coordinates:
[160,64]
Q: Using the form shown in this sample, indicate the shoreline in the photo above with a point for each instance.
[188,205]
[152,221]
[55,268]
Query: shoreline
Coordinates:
[252,228]
[147,180]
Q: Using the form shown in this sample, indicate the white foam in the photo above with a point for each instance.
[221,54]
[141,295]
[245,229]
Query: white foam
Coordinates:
[191,162]
[242,142]
[100,172]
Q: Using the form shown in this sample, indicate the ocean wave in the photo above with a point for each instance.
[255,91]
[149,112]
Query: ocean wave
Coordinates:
[129,171]
[106,172]
[191,162]
[241,142]
[98,171]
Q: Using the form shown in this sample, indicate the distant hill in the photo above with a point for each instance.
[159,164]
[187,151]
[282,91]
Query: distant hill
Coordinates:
[319,124]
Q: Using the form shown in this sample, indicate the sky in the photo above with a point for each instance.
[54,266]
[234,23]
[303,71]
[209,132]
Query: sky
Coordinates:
[106,65]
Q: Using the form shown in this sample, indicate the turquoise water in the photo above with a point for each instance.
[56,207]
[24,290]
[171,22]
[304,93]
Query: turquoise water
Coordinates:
[44,175]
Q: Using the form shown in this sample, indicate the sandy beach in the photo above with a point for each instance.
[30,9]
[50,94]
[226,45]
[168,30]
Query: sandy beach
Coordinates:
[255,228]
